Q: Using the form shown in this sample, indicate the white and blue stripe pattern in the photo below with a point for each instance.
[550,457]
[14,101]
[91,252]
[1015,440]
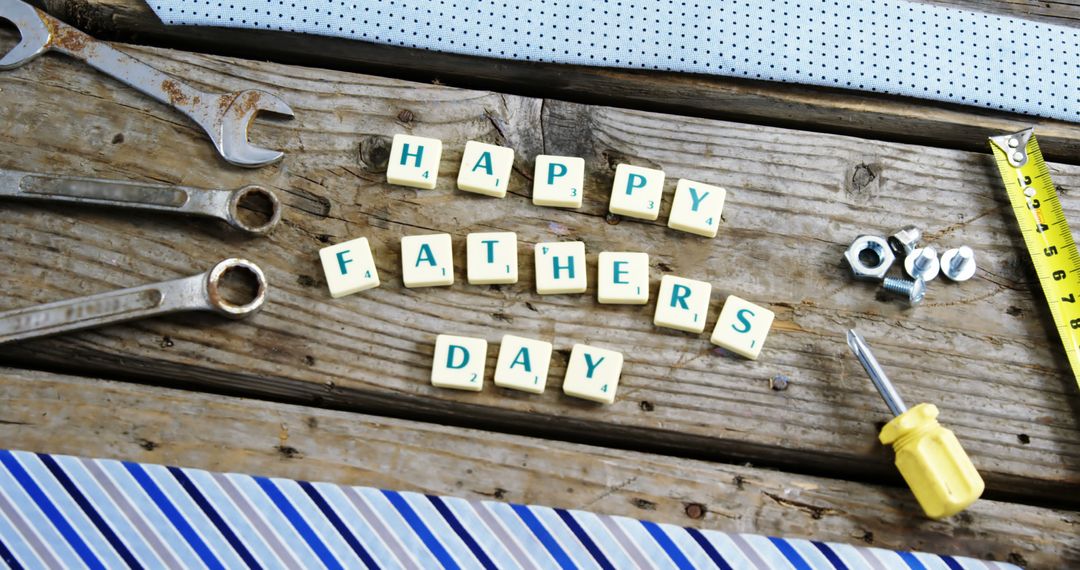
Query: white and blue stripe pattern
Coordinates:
[70,512]
[886,46]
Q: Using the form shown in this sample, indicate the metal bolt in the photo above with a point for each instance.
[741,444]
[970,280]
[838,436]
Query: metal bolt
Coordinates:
[913,290]
[962,257]
[958,264]
[905,240]
[922,262]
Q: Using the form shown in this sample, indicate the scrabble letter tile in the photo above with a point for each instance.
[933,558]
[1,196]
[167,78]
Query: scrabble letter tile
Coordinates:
[636,192]
[349,267]
[492,258]
[485,169]
[697,208]
[682,304]
[459,362]
[623,278]
[523,364]
[558,181]
[593,373]
[742,327]
[427,261]
[414,161]
[560,267]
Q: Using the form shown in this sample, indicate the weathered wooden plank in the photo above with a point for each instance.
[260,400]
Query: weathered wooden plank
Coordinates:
[1062,12]
[983,351]
[797,106]
[60,414]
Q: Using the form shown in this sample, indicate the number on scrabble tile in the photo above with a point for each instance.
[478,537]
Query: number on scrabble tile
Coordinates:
[485,169]
[459,362]
[427,260]
[636,192]
[414,161]
[560,267]
[593,373]
[696,208]
[682,304]
[349,267]
[491,258]
[558,181]
[523,364]
[742,327]
[622,278]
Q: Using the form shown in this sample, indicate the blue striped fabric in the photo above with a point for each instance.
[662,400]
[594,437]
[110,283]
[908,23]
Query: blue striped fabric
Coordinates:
[70,512]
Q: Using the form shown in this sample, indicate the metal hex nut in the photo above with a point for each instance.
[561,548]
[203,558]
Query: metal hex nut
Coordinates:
[906,240]
[883,258]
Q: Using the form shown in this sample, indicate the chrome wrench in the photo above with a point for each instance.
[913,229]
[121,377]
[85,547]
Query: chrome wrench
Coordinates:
[225,117]
[220,204]
[196,293]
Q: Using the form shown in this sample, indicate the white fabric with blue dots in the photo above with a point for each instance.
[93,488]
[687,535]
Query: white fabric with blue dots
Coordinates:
[885,46]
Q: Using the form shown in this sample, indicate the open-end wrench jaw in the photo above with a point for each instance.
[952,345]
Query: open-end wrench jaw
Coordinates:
[238,111]
[225,117]
[35,34]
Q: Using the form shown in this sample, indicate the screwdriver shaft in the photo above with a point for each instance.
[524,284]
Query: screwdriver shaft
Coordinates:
[877,375]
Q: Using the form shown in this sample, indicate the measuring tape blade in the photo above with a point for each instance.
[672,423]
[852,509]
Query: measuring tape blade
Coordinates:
[1046,232]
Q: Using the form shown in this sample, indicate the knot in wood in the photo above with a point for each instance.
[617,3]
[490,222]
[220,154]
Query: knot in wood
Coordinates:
[861,178]
[375,153]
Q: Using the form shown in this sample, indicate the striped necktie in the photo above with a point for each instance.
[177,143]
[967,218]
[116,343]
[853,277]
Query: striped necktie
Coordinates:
[60,511]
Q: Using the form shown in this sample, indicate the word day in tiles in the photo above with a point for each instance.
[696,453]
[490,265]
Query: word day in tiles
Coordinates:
[592,372]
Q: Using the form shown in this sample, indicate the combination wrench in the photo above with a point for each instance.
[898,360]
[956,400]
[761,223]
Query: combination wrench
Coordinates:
[196,293]
[225,117]
[219,204]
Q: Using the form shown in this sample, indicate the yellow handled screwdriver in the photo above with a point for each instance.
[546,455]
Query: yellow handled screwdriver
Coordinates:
[928,455]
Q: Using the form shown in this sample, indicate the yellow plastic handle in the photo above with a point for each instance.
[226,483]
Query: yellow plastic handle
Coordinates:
[932,462]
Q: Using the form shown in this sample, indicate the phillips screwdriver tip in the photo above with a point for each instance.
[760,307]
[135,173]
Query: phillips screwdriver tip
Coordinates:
[877,375]
[855,341]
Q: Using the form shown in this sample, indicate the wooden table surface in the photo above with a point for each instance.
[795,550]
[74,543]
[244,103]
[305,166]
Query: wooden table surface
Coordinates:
[338,389]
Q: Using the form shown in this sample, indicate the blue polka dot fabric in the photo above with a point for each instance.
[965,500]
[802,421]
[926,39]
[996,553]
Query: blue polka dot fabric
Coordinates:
[885,46]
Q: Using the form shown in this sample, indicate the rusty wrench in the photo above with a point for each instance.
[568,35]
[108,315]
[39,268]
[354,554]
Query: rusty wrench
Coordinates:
[225,117]
[196,293]
[220,204]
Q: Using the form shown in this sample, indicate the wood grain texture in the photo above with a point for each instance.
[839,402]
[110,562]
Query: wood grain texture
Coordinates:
[984,351]
[797,106]
[1062,12]
[59,414]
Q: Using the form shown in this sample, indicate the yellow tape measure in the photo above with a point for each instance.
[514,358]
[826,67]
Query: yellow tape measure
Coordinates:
[1046,232]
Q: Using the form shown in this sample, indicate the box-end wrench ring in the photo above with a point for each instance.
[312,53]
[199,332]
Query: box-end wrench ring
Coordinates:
[220,204]
[196,293]
[225,117]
